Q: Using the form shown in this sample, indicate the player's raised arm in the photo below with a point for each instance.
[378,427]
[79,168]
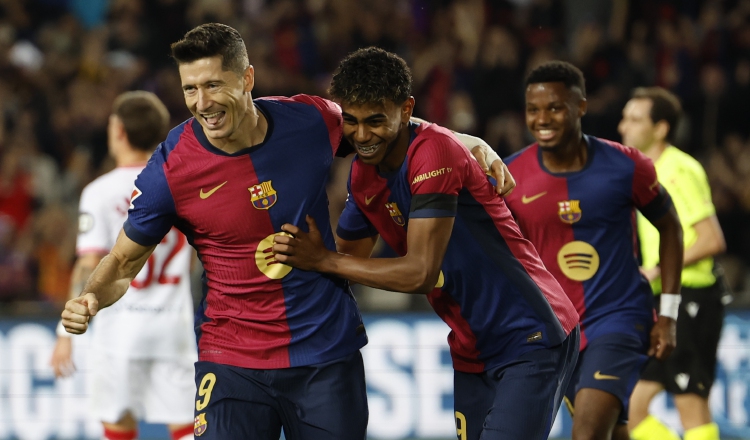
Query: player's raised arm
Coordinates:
[107,283]
[416,272]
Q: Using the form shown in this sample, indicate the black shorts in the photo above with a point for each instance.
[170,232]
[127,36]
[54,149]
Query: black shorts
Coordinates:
[316,402]
[691,368]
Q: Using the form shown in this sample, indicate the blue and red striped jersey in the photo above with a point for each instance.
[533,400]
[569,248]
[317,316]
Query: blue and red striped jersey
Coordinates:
[583,225]
[493,291]
[255,312]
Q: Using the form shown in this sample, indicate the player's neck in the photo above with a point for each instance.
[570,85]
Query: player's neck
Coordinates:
[252,131]
[395,158]
[566,158]
[132,158]
[656,149]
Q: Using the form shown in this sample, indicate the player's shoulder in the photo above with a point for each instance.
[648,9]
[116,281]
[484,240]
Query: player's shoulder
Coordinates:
[301,102]
[529,152]
[617,151]
[677,159]
[428,135]
[114,179]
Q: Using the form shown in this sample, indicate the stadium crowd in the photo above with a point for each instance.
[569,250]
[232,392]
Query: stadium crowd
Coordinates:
[62,63]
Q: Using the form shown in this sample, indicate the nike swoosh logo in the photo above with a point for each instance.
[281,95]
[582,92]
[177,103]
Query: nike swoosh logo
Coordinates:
[205,195]
[599,376]
[526,200]
[368,200]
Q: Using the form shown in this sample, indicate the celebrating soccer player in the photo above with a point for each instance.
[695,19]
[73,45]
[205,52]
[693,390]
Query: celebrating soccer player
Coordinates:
[514,335]
[278,348]
[648,123]
[576,200]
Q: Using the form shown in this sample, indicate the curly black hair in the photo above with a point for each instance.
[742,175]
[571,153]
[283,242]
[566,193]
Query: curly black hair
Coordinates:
[209,40]
[371,75]
[558,71]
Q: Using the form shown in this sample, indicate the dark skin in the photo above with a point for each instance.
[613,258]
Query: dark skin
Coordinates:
[553,116]
[380,134]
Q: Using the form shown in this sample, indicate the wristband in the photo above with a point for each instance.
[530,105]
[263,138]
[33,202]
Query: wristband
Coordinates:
[60,331]
[669,305]
[470,142]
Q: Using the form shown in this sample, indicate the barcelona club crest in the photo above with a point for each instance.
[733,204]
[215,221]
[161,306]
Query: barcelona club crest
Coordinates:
[570,211]
[395,213]
[200,425]
[263,195]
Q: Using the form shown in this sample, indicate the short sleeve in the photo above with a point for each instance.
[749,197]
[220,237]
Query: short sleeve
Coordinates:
[691,194]
[649,196]
[436,174]
[152,210]
[353,224]
[331,113]
[94,232]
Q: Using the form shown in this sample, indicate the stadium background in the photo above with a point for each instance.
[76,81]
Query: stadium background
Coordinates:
[62,62]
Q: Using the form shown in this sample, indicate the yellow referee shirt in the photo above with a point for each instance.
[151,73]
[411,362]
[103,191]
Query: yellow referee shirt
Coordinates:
[686,181]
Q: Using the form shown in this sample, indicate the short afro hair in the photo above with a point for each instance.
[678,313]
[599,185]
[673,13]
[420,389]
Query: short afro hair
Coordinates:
[209,40]
[558,71]
[371,75]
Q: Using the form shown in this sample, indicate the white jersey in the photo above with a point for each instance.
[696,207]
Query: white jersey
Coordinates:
[154,319]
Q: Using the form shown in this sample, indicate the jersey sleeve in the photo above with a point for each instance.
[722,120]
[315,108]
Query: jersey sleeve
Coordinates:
[691,195]
[94,234]
[331,113]
[353,224]
[649,196]
[436,174]
[152,210]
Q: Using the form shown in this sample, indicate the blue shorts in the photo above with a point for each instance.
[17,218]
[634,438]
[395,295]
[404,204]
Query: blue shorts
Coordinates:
[518,400]
[317,402]
[610,363]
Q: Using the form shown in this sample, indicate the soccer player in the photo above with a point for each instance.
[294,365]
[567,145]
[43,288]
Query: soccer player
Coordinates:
[143,349]
[514,335]
[576,201]
[648,123]
[278,348]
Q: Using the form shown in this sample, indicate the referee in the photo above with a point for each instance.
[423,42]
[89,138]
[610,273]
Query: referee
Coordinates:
[648,123]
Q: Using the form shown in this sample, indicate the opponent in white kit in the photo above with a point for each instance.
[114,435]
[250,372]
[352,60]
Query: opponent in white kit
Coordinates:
[144,345]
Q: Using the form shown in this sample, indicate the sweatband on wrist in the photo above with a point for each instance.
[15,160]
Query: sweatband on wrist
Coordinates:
[470,142]
[669,305]
[60,330]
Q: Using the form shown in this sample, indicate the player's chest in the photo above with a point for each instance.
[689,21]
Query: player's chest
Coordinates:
[581,200]
[385,203]
[236,196]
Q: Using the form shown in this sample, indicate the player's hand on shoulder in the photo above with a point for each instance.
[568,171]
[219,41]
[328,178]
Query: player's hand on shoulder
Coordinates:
[78,312]
[663,338]
[494,166]
[62,359]
[300,249]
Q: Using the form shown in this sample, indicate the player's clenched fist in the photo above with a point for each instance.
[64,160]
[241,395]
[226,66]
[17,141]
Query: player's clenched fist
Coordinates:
[78,311]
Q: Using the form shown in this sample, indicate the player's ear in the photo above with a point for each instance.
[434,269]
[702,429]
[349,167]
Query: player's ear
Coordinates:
[661,130]
[249,76]
[583,105]
[407,108]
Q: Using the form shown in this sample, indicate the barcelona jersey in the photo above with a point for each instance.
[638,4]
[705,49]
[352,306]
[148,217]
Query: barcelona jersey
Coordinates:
[255,312]
[493,290]
[583,225]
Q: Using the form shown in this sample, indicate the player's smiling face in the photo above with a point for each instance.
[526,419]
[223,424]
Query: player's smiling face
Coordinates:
[636,127]
[553,113]
[219,99]
[377,131]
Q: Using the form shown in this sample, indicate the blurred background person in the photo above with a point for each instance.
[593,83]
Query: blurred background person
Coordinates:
[649,123]
[144,347]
